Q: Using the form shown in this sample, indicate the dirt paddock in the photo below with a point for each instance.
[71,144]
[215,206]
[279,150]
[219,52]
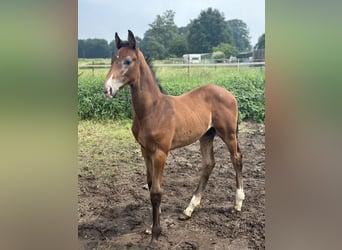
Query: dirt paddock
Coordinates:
[114,212]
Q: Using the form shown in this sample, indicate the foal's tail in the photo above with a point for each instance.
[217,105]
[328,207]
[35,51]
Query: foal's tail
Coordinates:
[237,135]
[237,126]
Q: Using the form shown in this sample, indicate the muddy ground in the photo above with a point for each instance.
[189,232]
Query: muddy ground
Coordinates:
[114,212]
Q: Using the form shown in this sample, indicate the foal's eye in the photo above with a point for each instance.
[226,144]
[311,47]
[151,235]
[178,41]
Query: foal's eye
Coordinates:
[127,61]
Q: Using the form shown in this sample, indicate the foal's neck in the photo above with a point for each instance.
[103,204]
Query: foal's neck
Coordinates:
[145,91]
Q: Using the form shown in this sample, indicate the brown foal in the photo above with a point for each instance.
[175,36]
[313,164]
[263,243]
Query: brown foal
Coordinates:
[163,122]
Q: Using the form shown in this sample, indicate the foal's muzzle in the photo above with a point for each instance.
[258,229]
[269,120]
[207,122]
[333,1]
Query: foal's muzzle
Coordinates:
[112,87]
[109,92]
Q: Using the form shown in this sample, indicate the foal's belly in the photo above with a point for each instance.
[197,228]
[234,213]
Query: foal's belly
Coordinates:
[190,124]
[181,142]
[188,135]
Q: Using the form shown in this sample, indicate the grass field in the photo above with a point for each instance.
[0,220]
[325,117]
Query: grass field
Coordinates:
[246,83]
[104,143]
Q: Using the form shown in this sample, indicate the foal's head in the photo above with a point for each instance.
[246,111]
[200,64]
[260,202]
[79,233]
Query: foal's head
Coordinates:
[124,69]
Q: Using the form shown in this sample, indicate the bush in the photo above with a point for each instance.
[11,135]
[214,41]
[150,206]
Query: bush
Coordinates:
[249,92]
[92,104]
[218,56]
[228,50]
[247,85]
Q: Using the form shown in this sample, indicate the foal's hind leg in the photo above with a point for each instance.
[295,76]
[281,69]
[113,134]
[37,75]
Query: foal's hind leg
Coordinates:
[236,157]
[208,163]
[148,164]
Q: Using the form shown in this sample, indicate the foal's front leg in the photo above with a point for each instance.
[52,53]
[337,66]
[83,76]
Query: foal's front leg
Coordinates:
[158,164]
[149,170]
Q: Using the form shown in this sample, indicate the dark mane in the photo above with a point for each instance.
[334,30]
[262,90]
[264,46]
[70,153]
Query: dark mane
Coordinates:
[148,60]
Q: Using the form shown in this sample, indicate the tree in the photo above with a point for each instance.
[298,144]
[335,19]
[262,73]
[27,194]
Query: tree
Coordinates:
[261,42]
[112,48]
[207,31]
[183,31]
[81,49]
[97,48]
[138,40]
[240,32]
[158,38]
[178,46]
[228,49]
[153,48]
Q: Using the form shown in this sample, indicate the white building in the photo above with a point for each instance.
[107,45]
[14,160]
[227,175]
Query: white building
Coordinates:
[192,58]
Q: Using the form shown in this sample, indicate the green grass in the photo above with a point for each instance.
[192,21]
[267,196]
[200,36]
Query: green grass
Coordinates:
[103,146]
[246,83]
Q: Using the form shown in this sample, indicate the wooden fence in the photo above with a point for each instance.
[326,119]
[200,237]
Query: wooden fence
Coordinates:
[184,65]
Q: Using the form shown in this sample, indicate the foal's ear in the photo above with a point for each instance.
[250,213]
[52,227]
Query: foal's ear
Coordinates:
[131,39]
[117,41]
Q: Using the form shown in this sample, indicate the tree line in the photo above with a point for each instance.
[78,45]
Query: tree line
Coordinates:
[208,33]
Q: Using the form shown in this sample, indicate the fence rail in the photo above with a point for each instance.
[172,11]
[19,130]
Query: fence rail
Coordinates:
[94,66]
[187,66]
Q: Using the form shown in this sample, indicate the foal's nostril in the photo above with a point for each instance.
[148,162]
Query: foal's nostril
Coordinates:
[107,91]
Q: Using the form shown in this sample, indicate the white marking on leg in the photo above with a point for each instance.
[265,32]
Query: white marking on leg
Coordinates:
[195,201]
[148,230]
[239,197]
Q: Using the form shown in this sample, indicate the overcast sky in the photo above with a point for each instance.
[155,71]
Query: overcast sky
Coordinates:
[102,18]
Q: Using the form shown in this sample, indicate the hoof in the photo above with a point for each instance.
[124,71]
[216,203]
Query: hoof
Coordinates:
[238,204]
[153,244]
[237,208]
[183,217]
